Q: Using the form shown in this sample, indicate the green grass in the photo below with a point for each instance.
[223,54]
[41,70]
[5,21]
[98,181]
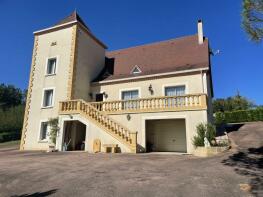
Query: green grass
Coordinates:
[10,144]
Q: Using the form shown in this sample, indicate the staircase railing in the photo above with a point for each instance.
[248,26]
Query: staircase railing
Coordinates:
[165,103]
[114,128]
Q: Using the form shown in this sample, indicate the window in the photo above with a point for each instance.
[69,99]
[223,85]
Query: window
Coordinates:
[136,70]
[128,95]
[48,98]
[51,66]
[43,131]
[175,91]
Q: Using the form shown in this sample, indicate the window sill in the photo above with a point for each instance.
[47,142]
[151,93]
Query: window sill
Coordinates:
[48,107]
[42,141]
[49,75]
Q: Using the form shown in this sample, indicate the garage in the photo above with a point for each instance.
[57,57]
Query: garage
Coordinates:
[166,135]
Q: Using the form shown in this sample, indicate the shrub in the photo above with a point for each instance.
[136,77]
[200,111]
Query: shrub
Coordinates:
[239,116]
[54,128]
[219,118]
[11,122]
[204,130]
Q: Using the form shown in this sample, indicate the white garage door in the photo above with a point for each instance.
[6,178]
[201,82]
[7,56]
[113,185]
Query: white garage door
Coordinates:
[167,135]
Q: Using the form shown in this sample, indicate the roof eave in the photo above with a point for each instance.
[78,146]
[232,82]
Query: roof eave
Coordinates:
[149,76]
[54,27]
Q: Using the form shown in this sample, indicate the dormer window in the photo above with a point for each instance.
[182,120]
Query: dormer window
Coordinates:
[136,70]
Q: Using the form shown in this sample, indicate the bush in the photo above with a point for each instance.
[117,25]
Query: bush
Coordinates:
[239,116]
[11,122]
[204,130]
[54,128]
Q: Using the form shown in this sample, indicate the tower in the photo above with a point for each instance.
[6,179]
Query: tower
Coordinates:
[66,58]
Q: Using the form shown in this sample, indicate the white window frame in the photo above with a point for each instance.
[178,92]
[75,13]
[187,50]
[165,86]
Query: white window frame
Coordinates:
[40,130]
[43,95]
[136,67]
[56,70]
[129,89]
[175,85]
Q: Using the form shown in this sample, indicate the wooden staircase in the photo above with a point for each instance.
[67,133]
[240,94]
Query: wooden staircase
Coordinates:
[115,129]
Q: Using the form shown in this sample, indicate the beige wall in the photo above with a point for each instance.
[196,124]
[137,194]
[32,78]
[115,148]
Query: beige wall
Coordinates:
[137,123]
[59,81]
[193,83]
[92,132]
[90,61]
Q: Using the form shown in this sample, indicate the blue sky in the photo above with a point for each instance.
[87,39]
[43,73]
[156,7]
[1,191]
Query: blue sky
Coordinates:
[123,23]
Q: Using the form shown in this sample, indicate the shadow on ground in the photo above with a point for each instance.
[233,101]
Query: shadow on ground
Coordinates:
[249,163]
[38,194]
[228,128]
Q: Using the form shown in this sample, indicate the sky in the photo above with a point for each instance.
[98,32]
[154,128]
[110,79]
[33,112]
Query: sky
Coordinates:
[125,23]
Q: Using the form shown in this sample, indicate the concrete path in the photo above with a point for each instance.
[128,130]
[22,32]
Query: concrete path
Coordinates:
[235,173]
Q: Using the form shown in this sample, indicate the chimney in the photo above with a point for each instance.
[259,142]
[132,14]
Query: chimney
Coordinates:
[200,31]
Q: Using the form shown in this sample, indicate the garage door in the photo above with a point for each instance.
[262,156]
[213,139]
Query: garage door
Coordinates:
[167,135]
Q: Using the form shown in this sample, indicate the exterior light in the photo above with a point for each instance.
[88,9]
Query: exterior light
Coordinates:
[128,117]
[105,94]
[150,89]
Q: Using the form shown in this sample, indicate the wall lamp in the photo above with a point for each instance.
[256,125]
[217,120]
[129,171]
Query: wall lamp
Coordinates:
[128,117]
[105,94]
[150,88]
[91,95]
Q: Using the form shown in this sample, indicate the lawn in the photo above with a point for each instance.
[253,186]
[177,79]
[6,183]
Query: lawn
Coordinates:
[10,144]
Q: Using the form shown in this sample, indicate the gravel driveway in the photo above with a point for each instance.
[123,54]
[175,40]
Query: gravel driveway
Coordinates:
[237,172]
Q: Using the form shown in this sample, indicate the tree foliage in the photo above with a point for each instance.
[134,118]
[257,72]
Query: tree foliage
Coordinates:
[232,104]
[253,19]
[10,96]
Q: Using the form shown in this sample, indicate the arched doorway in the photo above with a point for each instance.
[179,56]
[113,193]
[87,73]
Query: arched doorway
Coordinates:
[74,136]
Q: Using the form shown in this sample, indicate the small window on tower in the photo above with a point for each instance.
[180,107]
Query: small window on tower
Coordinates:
[43,131]
[136,70]
[48,98]
[51,66]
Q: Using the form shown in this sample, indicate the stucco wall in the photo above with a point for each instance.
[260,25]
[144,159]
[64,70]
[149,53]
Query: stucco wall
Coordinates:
[59,81]
[92,132]
[90,61]
[137,123]
[193,84]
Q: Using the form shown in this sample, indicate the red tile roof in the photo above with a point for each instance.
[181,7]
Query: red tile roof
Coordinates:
[167,56]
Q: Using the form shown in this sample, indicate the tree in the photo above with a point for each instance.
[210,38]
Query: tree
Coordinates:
[234,103]
[10,96]
[253,19]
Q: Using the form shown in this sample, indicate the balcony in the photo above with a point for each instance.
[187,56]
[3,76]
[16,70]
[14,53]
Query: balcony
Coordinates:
[153,104]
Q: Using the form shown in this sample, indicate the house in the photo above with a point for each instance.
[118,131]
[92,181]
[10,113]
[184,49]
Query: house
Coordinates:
[144,98]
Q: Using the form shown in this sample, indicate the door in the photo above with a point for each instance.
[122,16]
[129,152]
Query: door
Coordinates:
[167,135]
[99,97]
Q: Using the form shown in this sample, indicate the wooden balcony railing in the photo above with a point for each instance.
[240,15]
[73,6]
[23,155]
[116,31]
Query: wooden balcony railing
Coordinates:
[102,120]
[165,103]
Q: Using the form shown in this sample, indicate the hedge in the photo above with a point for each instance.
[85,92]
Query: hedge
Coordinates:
[11,122]
[239,116]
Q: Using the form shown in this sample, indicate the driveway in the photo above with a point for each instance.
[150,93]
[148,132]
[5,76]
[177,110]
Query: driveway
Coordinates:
[237,172]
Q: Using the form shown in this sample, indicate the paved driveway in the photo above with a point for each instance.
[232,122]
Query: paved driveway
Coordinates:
[82,174]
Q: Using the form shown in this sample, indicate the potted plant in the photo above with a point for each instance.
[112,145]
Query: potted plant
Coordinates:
[54,128]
